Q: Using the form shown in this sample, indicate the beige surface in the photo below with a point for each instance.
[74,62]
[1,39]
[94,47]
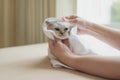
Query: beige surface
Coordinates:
[31,63]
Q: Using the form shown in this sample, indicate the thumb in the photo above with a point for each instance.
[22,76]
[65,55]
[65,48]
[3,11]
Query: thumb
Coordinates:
[57,40]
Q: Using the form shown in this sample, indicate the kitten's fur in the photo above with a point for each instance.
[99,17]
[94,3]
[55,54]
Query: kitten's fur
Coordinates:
[62,31]
[61,28]
[56,28]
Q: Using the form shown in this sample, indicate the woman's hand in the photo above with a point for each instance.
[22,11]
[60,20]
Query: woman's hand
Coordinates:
[82,24]
[59,49]
[71,18]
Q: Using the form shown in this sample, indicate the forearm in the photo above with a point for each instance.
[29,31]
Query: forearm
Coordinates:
[97,65]
[108,35]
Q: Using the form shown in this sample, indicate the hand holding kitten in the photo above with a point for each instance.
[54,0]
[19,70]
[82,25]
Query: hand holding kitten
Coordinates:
[83,25]
[64,42]
[59,49]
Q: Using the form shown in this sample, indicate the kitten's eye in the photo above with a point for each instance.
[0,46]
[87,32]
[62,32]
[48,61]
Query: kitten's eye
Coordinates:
[66,29]
[57,29]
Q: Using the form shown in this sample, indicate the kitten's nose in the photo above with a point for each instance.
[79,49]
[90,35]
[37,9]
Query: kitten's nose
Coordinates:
[61,33]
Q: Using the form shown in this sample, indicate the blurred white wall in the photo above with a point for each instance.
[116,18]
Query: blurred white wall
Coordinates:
[65,7]
[95,10]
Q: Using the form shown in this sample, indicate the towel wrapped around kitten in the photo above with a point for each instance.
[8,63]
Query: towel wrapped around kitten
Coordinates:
[57,28]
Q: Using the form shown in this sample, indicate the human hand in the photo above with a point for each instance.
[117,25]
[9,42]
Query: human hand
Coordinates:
[59,49]
[81,23]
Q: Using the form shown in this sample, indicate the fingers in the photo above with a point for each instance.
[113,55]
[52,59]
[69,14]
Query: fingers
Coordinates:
[66,42]
[78,31]
[67,18]
[71,18]
[53,43]
[56,39]
[58,42]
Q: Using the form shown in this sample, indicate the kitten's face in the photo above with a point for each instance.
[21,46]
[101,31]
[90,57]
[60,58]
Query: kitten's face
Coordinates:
[61,29]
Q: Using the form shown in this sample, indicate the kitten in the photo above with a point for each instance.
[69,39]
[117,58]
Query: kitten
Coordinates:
[61,28]
[56,28]
[61,31]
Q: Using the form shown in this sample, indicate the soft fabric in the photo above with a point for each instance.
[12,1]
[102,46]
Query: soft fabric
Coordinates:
[76,43]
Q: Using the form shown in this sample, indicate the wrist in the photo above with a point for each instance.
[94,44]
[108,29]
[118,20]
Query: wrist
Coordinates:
[86,26]
[92,28]
[89,26]
[69,59]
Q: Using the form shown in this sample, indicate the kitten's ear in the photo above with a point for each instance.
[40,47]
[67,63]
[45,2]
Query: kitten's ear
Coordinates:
[48,23]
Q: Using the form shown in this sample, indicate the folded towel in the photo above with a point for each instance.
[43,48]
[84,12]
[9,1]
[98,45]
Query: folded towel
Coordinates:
[76,43]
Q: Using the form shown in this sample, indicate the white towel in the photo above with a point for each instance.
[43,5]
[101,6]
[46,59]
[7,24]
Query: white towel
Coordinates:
[75,42]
